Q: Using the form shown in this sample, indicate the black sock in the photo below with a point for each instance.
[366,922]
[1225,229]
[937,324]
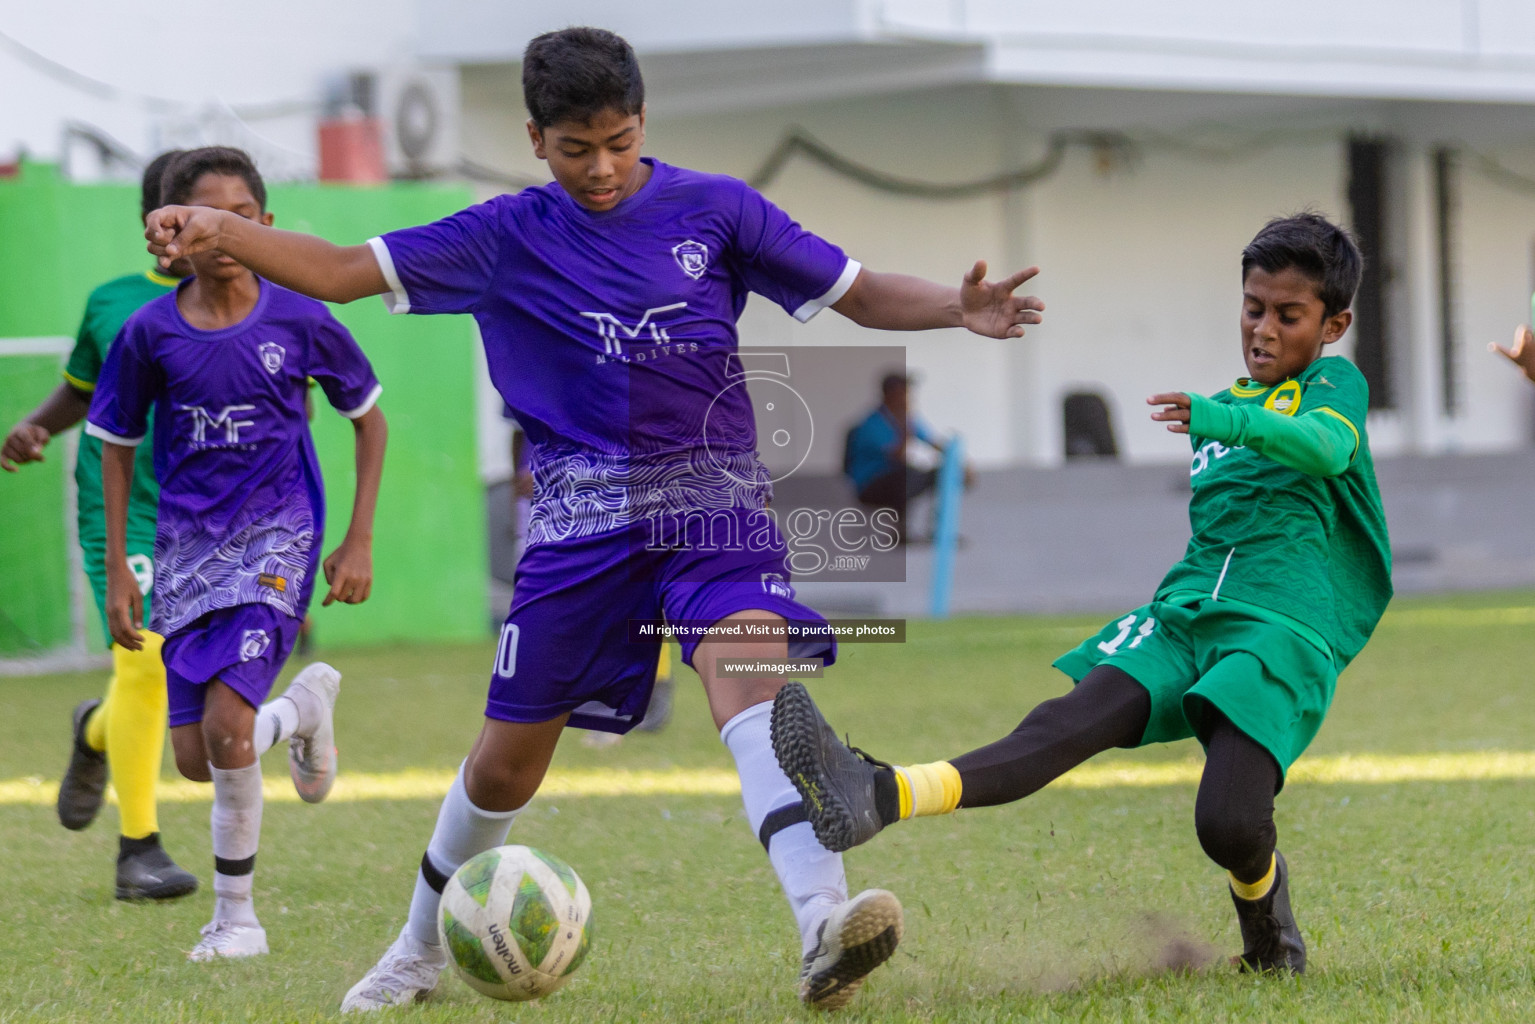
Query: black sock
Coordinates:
[1108,708]
[130,847]
[887,796]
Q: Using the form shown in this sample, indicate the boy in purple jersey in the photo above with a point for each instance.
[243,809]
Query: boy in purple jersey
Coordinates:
[224,361]
[608,301]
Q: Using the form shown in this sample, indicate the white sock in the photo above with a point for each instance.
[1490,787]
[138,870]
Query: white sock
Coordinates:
[462,831]
[236,824]
[811,875]
[276,721]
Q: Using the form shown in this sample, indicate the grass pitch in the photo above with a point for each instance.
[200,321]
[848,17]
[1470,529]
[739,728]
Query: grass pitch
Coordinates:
[1408,836]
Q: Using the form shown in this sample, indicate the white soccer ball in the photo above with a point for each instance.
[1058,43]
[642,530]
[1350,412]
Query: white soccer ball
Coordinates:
[515,922]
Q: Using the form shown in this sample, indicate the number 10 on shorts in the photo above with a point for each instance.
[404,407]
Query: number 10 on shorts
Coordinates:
[1126,627]
[506,650]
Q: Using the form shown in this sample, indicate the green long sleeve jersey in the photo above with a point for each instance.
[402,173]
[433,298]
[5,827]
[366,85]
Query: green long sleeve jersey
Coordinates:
[1285,513]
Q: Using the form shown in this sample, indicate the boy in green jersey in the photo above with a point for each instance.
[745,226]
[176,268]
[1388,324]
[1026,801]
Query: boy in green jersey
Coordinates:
[125,731]
[1286,574]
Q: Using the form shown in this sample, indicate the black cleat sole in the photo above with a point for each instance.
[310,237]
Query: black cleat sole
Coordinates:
[170,890]
[855,965]
[795,730]
[865,938]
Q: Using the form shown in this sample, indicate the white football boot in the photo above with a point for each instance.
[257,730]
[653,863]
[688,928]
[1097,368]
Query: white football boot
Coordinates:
[406,973]
[228,939]
[856,937]
[312,747]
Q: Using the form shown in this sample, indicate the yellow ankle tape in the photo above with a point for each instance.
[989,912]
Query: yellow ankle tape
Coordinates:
[1258,889]
[928,788]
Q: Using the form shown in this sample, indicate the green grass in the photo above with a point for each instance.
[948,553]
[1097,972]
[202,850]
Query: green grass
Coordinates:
[1415,898]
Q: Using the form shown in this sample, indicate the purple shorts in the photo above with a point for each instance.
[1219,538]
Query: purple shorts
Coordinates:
[244,647]
[566,644]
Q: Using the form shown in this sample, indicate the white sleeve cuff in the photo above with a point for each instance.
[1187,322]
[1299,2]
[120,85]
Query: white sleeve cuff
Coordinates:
[835,292]
[396,299]
[111,438]
[367,403]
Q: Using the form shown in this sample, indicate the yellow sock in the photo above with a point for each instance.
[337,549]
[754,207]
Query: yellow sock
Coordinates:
[664,665]
[135,733]
[1258,889]
[96,722]
[928,788]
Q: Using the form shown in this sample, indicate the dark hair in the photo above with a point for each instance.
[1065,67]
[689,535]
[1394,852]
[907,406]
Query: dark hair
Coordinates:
[150,187]
[577,73]
[1316,247]
[181,177]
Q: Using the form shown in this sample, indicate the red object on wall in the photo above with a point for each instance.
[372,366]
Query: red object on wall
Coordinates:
[352,149]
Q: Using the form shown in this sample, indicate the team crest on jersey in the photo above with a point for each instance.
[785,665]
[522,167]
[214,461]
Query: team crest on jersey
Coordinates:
[774,583]
[692,257]
[271,356]
[1286,399]
[253,644]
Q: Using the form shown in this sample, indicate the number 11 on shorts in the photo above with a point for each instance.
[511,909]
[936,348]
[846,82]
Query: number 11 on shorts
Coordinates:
[1126,626]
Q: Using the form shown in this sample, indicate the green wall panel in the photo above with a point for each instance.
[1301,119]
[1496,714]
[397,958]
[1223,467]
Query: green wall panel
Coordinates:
[34,558]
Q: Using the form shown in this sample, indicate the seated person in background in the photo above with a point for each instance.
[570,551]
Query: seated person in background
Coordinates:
[875,455]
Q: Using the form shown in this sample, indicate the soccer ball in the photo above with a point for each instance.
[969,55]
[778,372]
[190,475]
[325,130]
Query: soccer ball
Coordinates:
[516,922]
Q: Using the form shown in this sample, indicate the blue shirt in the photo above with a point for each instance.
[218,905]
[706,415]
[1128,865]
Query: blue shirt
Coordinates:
[874,446]
[241,502]
[611,335]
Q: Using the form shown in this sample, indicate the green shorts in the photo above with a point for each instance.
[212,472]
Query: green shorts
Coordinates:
[141,559]
[1272,683]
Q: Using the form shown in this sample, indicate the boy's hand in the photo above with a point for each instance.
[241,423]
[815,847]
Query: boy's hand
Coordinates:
[125,607]
[1174,412]
[1522,354]
[25,443]
[989,308]
[177,231]
[349,571]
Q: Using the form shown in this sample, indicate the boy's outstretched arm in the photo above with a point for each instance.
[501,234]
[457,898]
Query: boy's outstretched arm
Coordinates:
[304,263]
[125,602]
[1319,442]
[1522,354]
[898,302]
[349,569]
[62,409]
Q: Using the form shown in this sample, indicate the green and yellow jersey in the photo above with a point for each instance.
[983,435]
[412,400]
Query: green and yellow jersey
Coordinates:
[1285,513]
[107,309]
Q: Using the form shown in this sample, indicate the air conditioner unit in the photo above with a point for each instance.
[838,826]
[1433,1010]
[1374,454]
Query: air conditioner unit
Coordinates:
[418,107]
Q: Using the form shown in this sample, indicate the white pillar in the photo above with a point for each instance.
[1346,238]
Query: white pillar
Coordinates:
[1033,421]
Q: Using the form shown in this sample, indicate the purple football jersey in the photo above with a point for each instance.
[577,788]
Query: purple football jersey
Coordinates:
[242,507]
[611,335]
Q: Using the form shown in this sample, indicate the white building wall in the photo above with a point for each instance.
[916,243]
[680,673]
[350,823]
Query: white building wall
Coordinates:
[1143,280]
[945,136]
[153,74]
[1140,256]
[1495,275]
